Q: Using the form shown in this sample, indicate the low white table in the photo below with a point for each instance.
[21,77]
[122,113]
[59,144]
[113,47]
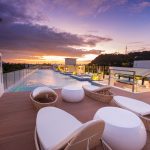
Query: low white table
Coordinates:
[72,93]
[123,129]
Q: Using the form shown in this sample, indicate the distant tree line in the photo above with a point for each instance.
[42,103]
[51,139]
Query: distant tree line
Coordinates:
[120,60]
[8,67]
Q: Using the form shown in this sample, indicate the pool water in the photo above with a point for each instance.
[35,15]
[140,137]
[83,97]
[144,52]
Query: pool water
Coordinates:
[49,78]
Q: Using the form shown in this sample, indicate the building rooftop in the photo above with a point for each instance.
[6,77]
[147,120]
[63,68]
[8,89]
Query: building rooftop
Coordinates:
[17,117]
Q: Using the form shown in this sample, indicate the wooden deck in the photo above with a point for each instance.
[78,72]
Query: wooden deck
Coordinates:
[17,117]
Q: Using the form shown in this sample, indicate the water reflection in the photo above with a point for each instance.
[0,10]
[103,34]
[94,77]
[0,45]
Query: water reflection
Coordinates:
[47,78]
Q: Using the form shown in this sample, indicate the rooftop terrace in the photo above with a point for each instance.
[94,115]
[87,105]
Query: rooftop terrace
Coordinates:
[17,117]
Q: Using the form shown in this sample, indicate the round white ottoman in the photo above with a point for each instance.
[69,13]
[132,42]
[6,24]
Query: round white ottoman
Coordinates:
[72,93]
[123,129]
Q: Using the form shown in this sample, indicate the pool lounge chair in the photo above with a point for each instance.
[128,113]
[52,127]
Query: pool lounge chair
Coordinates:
[102,93]
[140,108]
[57,129]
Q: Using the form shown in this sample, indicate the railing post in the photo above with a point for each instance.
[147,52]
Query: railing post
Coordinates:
[6,81]
[109,76]
[133,86]
[14,77]
[19,74]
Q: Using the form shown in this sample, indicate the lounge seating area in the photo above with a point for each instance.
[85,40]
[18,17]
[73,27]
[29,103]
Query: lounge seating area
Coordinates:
[108,123]
[25,119]
[71,135]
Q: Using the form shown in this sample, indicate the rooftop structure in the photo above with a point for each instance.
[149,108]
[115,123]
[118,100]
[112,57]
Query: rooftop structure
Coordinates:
[70,61]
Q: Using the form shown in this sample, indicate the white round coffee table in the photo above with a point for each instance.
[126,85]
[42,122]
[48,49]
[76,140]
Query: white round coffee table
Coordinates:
[72,93]
[123,129]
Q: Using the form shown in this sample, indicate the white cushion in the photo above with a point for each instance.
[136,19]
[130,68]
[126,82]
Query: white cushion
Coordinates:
[134,105]
[91,87]
[40,91]
[55,127]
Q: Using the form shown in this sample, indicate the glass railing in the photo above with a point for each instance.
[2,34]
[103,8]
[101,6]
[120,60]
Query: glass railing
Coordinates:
[11,78]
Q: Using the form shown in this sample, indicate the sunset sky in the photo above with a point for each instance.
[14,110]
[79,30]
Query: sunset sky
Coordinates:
[37,31]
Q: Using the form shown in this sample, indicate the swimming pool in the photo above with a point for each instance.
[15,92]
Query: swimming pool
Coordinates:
[49,78]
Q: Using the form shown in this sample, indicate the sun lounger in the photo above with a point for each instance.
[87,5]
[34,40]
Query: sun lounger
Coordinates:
[140,108]
[57,129]
[102,93]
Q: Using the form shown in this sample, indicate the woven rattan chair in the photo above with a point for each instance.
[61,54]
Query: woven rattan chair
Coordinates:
[66,132]
[43,92]
[101,94]
[138,107]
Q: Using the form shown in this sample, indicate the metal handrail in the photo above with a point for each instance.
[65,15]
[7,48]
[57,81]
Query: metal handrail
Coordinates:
[134,73]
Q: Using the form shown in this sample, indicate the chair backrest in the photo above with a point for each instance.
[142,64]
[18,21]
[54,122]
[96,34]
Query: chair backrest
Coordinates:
[87,137]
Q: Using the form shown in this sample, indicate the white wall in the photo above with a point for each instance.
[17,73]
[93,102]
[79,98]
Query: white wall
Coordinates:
[1,77]
[142,64]
[70,61]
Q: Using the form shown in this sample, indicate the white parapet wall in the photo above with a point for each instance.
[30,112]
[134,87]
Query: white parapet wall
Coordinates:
[1,77]
[142,64]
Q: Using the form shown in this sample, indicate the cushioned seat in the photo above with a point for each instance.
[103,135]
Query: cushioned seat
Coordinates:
[52,130]
[134,105]
[40,92]
[91,87]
